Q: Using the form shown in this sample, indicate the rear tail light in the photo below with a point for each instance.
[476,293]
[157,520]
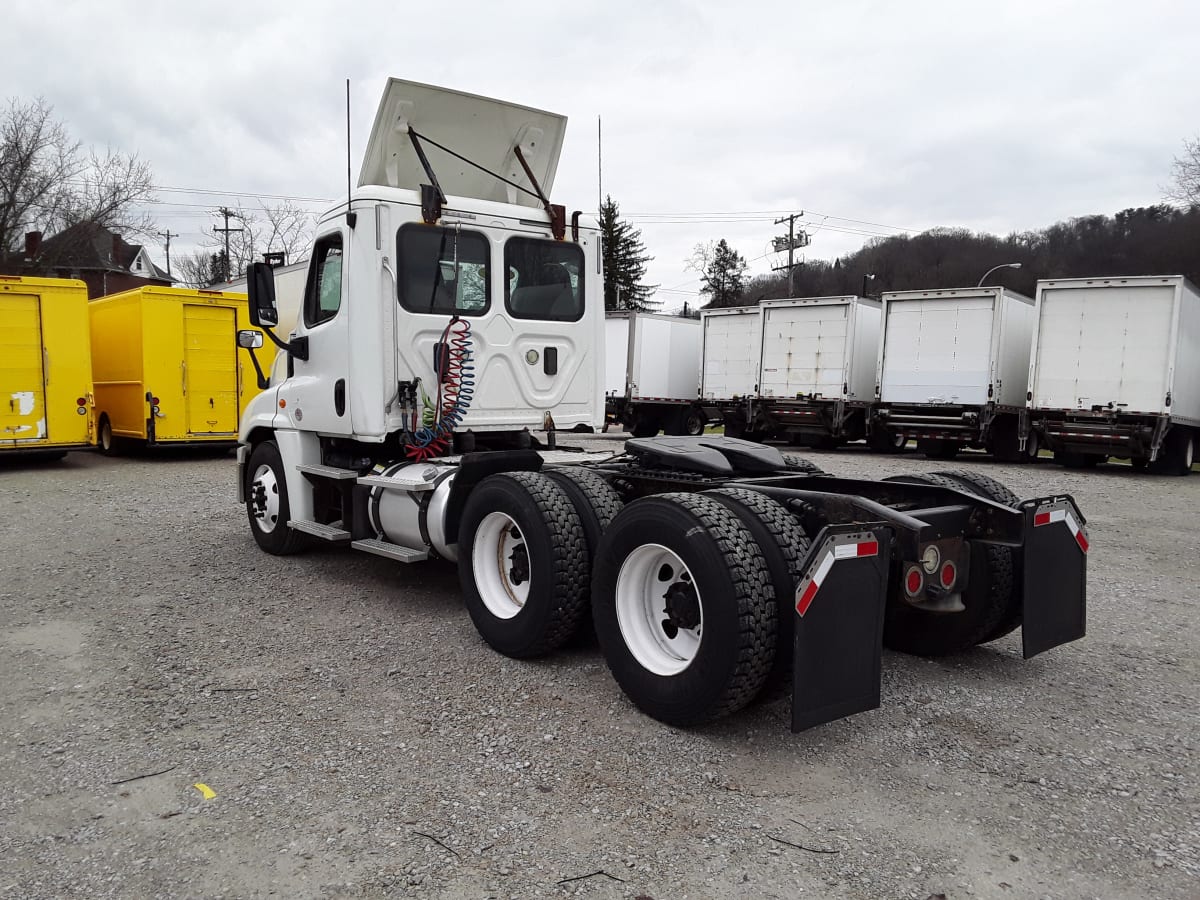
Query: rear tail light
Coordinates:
[949,575]
[154,401]
[82,401]
[914,581]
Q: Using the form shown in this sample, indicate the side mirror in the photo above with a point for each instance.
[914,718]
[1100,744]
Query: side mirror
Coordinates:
[249,339]
[260,285]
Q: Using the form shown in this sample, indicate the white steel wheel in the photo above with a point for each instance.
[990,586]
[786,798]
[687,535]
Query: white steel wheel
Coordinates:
[264,496]
[659,610]
[500,561]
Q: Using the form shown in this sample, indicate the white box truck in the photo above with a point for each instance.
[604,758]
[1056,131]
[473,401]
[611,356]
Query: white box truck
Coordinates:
[953,369]
[448,307]
[730,356]
[1116,371]
[652,373]
[817,370]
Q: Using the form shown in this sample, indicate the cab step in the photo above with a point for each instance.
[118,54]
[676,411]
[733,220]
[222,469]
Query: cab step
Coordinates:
[326,471]
[390,550]
[397,483]
[324,532]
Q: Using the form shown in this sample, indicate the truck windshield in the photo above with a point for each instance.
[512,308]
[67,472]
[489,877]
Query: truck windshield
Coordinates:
[545,279]
[442,270]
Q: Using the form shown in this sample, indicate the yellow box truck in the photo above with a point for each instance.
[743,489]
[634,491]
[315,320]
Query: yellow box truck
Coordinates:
[166,367]
[45,366]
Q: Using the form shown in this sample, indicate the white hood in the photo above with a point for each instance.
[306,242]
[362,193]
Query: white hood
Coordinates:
[483,130]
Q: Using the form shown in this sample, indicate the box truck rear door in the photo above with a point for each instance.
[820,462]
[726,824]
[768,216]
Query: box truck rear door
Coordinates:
[210,373]
[22,387]
[936,350]
[804,350]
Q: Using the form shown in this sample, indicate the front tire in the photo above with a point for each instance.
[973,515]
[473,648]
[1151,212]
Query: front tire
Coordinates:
[267,503]
[523,564]
[684,608]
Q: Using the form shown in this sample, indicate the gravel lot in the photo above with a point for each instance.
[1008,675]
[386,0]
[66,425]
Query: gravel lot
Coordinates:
[361,740]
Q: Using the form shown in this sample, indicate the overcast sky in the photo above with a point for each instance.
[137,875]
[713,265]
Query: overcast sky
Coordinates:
[869,116]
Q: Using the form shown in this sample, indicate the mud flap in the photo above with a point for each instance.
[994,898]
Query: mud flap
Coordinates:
[839,607]
[1054,602]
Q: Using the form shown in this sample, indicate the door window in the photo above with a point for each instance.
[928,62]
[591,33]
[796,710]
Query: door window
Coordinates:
[323,294]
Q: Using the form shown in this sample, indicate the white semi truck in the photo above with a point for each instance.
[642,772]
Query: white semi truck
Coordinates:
[449,308]
[953,369]
[1116,372]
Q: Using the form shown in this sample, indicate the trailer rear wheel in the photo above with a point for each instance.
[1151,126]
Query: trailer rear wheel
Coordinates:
[938,448]
[523,563]
[923,632]
[694,422]
[991,489]
[108,444]
[684,608]
[645,425]
[884,440]
[785,547]
[267,502]
[1177,452]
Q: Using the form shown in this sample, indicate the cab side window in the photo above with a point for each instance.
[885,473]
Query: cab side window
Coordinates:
[323,293]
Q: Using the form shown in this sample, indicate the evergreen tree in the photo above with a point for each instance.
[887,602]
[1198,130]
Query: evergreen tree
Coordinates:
[624,262]
[724,276]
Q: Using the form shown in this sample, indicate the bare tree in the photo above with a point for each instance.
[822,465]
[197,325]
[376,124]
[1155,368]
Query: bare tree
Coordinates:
[48,183]
[200,268]
[1185,171]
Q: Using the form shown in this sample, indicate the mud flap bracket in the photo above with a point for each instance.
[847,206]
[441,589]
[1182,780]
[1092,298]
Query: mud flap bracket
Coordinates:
[838,609]
[1054,599]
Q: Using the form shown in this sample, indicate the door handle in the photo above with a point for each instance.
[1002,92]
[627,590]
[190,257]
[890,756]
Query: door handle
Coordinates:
[339,396]
[550,360]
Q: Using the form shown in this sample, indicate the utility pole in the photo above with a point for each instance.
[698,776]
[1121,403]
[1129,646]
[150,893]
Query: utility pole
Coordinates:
[791,243]
[228,214]
[167,234]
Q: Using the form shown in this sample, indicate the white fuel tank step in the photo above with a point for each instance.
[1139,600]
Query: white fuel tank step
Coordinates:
[390,550]
[397,482]
[324,532]
[326,471]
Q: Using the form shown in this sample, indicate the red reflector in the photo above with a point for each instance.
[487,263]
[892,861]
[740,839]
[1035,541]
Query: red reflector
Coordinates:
[1081,541]
[913,581]
[868,548]
[82,401]
[949,573]
[1042,518]
[806,598]
[154,400]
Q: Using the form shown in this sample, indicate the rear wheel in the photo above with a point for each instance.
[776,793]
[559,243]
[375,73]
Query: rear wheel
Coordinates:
[104,436]
[784,547]
[523,563]
[684,608]
[693,422]
[924,632]
[938,448]
[991,489]
[1033,446]
[1071,460]
[645,425]
[267,503]
[1175,457]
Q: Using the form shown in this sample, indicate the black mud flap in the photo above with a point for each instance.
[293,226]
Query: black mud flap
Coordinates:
[1054,603]
[839,607]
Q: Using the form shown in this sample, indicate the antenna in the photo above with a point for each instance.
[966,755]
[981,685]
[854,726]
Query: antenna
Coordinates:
[351,217]
[599,166]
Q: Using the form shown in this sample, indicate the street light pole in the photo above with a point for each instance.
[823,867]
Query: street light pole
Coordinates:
[866,278]
[1015,265]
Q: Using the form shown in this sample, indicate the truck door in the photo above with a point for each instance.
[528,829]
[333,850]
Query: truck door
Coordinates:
[210,369]
[22,384]
[317,394]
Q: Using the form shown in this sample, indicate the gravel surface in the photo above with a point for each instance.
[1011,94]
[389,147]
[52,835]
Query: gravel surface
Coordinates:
[361,740]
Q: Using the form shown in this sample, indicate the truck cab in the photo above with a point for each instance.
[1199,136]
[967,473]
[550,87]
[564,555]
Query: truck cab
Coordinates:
[443,278]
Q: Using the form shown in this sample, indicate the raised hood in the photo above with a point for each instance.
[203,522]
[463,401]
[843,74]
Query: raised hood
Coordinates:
[483,130]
